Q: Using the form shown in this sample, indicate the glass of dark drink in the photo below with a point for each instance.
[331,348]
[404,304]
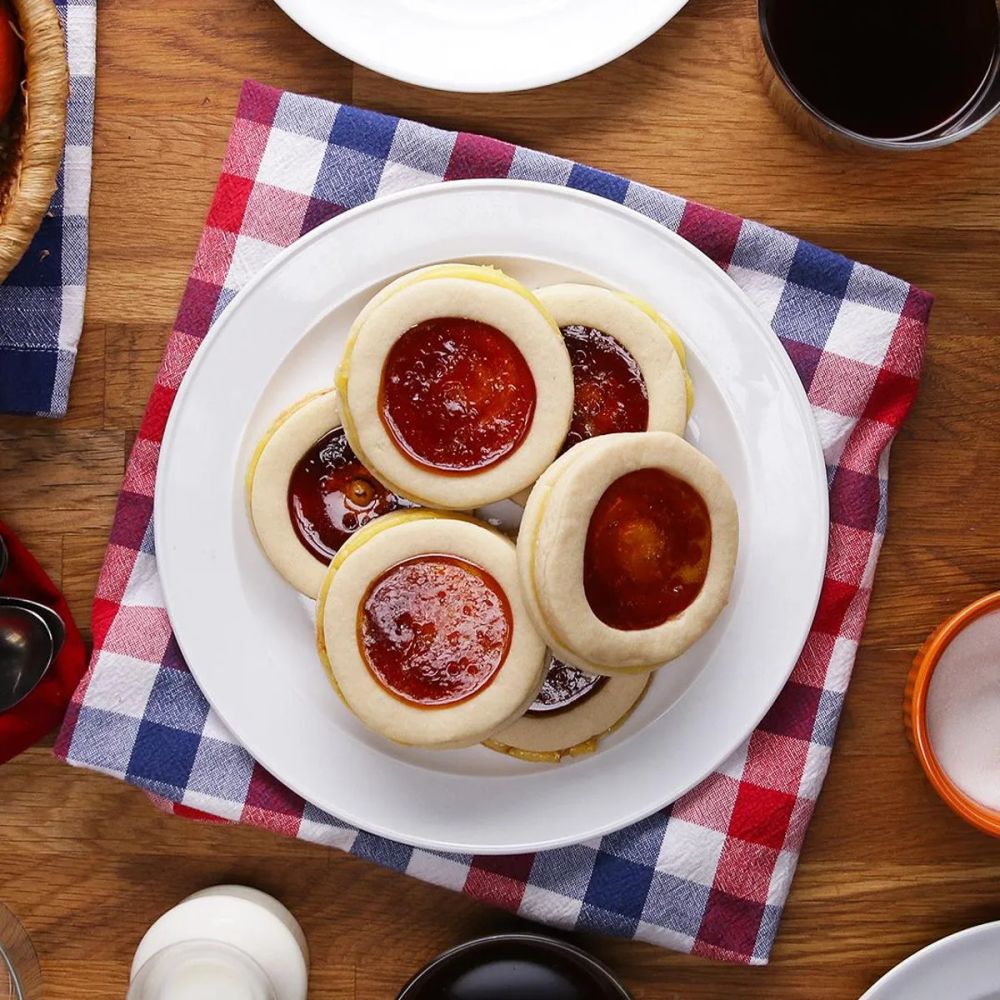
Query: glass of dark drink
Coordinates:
[514,967]
[889,74]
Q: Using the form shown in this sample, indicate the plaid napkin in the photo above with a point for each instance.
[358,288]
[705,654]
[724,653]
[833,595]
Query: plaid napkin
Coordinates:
[41,302]
[708,875]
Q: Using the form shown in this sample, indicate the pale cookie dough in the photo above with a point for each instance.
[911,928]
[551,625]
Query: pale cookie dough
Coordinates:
[551,552]
[295,431]
[549,737]
[469,292]
[362,560]
[623,320]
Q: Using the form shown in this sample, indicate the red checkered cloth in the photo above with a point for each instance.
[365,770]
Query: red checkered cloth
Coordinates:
[708,875]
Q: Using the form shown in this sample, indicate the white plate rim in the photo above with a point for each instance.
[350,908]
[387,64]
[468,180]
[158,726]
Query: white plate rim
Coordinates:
[310,16]
[934,951]
[768,340]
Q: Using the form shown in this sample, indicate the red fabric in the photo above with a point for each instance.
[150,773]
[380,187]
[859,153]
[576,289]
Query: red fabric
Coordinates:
[44,708]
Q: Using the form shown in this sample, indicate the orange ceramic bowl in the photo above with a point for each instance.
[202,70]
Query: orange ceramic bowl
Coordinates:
[915,715]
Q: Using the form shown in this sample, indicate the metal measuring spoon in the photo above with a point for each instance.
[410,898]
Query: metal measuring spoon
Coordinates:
[51,617]
[26,653]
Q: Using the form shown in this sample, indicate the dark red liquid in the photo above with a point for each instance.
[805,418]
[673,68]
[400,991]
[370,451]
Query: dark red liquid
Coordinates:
[647,550]
[565,687]
[457,395]
[609,390]
[514,970]
[435,630]
[331,495]
[885,68]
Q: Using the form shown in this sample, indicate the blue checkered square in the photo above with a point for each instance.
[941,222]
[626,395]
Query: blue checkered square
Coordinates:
[162,758]
[366,131]
[819,269]
[762,249]
[619,886]
[598,182]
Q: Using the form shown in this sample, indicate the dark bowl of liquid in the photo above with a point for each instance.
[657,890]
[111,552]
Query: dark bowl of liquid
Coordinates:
[899,74]
[514,967]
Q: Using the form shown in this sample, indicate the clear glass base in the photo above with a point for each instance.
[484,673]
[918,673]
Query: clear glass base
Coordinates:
[20,973]
[201,970]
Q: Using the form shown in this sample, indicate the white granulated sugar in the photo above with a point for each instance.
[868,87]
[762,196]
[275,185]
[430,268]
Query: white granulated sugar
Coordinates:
[963,710]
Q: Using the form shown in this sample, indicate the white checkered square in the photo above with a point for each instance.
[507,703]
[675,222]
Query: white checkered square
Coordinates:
[834,430]
[399,177]
[121,684]
[552,907]
[291,161]
[76,190]
[764,290]
[214,728]
[817,764]
[144,587]
[325,833]
[249,256]
[81,27]
[666,938]
[861,332]
[841,663]
[70,323]
[781,878]
[733,765]
[445,872]
[690,852]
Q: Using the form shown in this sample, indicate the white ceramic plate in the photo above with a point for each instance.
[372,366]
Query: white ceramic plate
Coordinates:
[249,638]
[481,45]
[964,966]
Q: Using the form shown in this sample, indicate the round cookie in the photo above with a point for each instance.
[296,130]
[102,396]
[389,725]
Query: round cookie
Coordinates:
[628,376]
[455,387]
[422,629]
[627,551]
[573,712]
[307,492]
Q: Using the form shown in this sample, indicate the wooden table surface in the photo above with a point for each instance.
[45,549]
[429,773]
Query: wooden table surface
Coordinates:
[88,864]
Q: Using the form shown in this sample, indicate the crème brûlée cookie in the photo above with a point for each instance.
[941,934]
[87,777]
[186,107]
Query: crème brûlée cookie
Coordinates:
[307,493]
[628,364]
[627,551]
[422,629]
[455,387]
[573,712]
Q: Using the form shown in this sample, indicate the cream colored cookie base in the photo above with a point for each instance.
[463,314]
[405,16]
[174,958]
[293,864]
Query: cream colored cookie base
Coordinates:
[577,729]
[290,436]
[476,293]
[622,320]
[552,540]
[391,540]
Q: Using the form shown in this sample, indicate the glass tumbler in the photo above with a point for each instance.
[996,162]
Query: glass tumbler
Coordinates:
[20,974]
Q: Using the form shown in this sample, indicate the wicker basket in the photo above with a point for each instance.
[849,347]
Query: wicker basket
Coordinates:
[40,123]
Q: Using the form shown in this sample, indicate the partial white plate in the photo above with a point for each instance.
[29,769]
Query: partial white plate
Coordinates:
[249,639]
[481,46]
[964,966]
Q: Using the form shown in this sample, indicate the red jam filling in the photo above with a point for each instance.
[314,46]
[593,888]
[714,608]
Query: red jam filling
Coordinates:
[434,630]
[457,395]
[564,687]
[331,495]
[647,550]
[609,390]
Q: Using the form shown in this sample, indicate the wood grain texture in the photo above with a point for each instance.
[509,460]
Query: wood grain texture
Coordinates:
[886,869]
